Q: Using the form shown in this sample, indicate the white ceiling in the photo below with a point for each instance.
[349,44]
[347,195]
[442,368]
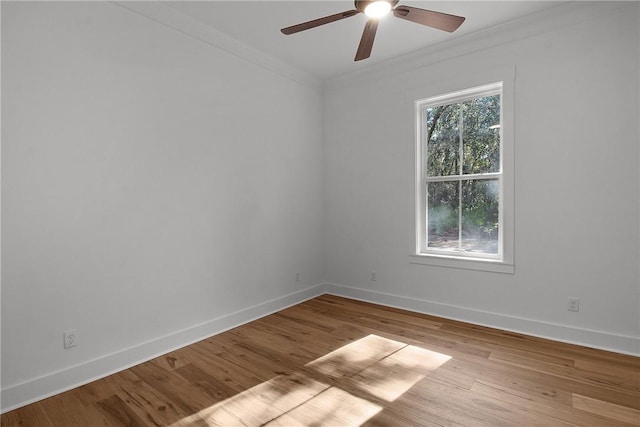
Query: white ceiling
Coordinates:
[328,51]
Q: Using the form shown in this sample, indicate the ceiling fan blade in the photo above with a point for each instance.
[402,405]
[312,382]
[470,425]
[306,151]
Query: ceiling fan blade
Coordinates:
[439,20]
[320,21]
[366,41]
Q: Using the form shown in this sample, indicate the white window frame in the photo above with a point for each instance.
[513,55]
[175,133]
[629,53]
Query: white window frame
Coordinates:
[464,89]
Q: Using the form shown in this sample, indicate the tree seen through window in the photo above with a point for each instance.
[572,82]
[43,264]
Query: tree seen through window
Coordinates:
[462,173]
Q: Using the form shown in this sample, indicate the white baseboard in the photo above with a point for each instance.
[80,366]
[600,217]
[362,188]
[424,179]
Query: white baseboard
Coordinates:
[39,388]
[589,338]
[36,389]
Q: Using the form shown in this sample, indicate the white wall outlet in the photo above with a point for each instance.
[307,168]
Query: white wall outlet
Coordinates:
[574,304]
[373,276]
[297,277]
[70,338]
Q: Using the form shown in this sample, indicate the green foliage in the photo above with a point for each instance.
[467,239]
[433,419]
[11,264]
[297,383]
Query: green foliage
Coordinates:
[480,208]
[443,208]
[463,138]
[472,121]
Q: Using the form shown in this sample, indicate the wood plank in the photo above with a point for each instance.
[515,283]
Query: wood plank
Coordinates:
[175,388]
[264,402]
[355,357]
[496,338]
[406,331]
[388,314]
[607,410]
[497,371]
[461,406]
[332,407]
[28,416]
[120,412]
[66,409]
[541,411]
[621,369]
[600,379]
[148,403]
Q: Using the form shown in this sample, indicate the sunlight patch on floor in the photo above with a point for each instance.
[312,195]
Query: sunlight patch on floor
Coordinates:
[380,366]
[356,356]
[261,403]
[333,407]
[287,400]
[377,368]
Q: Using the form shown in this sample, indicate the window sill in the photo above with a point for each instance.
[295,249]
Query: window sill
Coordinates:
[463,263]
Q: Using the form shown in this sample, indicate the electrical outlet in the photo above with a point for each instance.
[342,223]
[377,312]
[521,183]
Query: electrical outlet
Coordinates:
[574,304]
[297,277]
[373,276]
[69,338]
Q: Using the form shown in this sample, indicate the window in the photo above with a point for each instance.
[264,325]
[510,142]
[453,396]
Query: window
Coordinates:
[460,186]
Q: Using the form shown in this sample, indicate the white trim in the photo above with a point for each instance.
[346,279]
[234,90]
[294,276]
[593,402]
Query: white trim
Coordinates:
[422,235]
[470,176]
[465,263]
[566,14]
[35,389]
[618,343]
[462,95]
[479,81]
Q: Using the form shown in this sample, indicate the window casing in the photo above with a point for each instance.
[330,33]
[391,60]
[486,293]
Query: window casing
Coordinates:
[464,200]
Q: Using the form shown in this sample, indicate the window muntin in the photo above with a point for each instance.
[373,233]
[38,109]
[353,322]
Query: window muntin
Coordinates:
[461,182]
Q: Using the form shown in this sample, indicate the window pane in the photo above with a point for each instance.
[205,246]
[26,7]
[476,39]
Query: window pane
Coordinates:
[480,216]
[442,203]
[481,135]
[443,140]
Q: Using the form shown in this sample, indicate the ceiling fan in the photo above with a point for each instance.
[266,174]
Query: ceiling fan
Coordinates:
[376,9]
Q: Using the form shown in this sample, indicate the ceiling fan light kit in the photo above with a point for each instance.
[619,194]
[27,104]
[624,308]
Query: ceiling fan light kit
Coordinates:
[375,9]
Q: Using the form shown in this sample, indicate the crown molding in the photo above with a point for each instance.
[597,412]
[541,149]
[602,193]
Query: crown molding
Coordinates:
[178,21]
[565,14]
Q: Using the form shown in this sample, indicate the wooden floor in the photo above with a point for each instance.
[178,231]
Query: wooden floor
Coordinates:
[332,361]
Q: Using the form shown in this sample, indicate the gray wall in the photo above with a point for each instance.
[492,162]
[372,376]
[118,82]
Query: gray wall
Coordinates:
[150,183]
